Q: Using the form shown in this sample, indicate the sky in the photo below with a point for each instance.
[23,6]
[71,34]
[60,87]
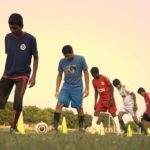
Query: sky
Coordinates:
[112,35]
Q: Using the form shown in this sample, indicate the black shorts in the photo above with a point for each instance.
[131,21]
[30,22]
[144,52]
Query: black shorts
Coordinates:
[146,117]
[6,86]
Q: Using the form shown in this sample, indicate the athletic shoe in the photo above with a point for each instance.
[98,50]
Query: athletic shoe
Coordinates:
[53,131]
[82,130]
[14,131]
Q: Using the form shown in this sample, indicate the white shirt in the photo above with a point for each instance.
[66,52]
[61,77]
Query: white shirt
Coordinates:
[127,98]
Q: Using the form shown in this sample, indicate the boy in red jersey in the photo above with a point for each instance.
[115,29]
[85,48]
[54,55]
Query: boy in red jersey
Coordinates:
[146,115]
[106,101]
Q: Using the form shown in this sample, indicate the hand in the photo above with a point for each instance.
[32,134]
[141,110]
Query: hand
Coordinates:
[111,102]
[56,94]
[135,108]
[85,93]
[31,82]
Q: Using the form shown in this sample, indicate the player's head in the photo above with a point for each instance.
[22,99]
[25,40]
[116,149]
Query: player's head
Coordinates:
[95,72]
[15,22]
[141,91]
[68,52]
[117,83]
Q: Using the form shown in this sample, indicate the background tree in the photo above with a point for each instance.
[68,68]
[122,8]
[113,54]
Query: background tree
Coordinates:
[133,125]
[33,115]
[6,114]
[104,117]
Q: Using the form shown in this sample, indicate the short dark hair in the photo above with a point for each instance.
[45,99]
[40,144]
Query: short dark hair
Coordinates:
[94,70]
[116,82]
[15,19]
[67,49]
[140,90]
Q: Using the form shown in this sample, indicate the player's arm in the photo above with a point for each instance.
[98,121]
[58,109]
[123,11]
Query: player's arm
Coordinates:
[148,106]
[108,83]
[86,78]
[95,98]
[5,44]
[35,67]
[111,100]
[134,100]
[58,82]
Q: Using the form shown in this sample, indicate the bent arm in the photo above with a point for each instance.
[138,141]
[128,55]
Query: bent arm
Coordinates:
[58,81]
[86,78]
[35,65]
[95,96]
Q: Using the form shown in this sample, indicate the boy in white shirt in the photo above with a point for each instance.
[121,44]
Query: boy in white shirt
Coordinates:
[129,105]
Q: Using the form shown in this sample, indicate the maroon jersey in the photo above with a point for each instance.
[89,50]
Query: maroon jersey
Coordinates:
[147,102]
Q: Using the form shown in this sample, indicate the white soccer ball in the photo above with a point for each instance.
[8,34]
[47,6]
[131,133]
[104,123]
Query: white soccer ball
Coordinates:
[91,130]
[41,127]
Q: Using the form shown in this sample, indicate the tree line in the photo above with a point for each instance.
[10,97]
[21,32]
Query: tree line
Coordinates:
[33,115]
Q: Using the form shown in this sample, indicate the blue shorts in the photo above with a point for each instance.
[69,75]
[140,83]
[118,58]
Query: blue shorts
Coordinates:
[73,95]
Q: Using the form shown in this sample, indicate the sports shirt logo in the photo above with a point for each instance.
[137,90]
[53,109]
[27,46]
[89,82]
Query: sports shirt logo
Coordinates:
[23,47]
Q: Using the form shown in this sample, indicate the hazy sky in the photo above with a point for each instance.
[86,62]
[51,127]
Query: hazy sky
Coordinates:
[111,34]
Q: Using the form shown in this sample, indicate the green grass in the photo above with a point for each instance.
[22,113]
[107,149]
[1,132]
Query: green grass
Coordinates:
[72,141]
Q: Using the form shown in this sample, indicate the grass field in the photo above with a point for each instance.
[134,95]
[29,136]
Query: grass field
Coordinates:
[72,141]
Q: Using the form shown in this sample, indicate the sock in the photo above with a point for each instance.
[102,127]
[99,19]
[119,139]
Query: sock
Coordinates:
[15,120]
[142,127]
[116,120]
[56,119]
[123,126]
[94,121]
[81,120]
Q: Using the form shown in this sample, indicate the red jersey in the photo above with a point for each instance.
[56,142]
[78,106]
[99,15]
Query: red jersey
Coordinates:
[102,85]
[147,102]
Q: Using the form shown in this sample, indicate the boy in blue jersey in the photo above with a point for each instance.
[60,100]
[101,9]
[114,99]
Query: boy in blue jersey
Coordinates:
[19,47]
[72,90]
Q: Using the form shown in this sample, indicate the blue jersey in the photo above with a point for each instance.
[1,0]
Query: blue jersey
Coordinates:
[19,53]
[73,71]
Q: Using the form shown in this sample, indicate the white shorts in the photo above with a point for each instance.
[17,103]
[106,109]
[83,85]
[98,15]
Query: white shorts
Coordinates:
[128,110]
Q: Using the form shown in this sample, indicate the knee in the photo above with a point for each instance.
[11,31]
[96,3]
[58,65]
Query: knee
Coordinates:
[113,114]
[96,114]
[80,111]
[17,108]
[119,116]
[59,107]
[136,120]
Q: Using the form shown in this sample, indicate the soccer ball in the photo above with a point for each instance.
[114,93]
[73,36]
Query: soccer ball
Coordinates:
[98,129]
[41,127]
[91,130]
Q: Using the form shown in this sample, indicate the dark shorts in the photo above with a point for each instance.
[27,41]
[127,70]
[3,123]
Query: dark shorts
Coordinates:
[145,117]
[6,86]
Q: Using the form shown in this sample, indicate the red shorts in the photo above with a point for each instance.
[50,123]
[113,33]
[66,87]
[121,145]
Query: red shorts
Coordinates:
[103,106]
